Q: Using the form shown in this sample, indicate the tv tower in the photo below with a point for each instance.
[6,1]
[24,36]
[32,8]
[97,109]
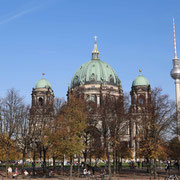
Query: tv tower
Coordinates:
[175,74]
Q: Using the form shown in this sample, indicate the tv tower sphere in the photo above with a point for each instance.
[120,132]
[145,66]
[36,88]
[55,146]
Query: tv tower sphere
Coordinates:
[175,72]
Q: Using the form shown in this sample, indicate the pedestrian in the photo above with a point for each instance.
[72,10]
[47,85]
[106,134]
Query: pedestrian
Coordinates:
[138,164]
[88,173]
[85,172]
[50,173]
[103,174]
[26,173]
[9,171]
[93,170]
[15,173]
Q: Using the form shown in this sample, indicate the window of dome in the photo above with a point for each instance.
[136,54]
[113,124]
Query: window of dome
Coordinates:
[76,79]
[92,78]
[111,79]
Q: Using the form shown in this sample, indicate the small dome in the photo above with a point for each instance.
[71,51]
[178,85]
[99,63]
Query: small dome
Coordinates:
[140,81]
[43,83]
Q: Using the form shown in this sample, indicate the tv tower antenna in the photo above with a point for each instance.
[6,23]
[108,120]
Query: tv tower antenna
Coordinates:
[175,52]
[175,74]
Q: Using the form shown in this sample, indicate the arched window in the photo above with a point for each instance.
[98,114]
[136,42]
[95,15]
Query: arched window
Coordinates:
[140,100]
[41,101]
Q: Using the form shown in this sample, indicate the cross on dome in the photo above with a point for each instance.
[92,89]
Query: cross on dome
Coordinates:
[140,71]
[95,52]
[95,38]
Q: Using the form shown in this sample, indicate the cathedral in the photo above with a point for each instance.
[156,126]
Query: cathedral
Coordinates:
[96,79]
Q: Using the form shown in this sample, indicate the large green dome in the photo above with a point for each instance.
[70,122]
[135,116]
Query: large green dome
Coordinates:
[140,81]
[95,71]
[43,83]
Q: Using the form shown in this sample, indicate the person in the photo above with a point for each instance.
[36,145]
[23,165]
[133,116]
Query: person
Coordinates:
[93,170]
[9,171]
[178,165]
[138,164]
[167,166]
[26,173]
[85,172]
[132,164]
[103,172]
[88,173]
[15,173]
[50,173]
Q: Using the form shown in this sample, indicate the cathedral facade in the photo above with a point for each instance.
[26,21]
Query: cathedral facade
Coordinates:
[96,79]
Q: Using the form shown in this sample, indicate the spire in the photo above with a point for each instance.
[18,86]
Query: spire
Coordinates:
[175,53]
[95,52]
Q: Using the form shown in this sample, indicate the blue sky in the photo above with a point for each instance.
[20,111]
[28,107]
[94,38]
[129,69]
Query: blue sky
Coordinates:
[56,37]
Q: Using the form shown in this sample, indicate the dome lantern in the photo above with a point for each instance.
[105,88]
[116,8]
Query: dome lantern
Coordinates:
[95,52]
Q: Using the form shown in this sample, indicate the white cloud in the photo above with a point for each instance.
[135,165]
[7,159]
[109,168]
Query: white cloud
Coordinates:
[17,15]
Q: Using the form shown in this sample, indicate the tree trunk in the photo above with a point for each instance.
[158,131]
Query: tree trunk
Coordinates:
[63,165]
[44,160]
[24,154]
[114,163]
[154,169]
[33,164]
[90,159]
[54,162]
[7,160]
[78,165]
[109,163]
[40,153]
[148,164]
[71,166]
[85,158]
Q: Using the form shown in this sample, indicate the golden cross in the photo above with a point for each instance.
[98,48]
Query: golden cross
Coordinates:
[140,70]
[95,38]
[43,74]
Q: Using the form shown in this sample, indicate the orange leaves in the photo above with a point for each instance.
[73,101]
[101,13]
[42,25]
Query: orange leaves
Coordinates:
[68,128]
[7,146]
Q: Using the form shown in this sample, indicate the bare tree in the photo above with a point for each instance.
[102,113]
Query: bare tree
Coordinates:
[58,103]
[12,113]
[23,138]
[154,125]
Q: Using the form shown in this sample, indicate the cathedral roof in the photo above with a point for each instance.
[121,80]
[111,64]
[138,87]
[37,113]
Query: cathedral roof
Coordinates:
[95,71]
[140,81]
[43,83]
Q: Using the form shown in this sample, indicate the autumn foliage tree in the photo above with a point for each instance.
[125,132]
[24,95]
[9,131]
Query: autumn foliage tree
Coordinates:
[69,128]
